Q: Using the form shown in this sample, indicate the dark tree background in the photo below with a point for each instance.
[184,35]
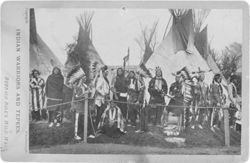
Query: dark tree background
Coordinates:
[229,61]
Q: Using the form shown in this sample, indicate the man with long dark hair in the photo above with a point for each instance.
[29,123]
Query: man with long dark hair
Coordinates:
[142,105]
[157,89]
[120,91]
[203,99]
[233,97]
[216,94]
[133,93]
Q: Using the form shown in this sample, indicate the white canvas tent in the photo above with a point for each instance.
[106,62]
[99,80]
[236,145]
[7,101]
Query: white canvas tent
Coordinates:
[41,56]
[172,55]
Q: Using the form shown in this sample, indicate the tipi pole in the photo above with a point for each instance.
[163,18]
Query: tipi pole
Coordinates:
[85,129]
[167,27]
[128,55]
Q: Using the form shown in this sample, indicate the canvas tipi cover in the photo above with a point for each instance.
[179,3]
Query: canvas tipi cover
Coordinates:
[171,54]
[84,53]
[41,57]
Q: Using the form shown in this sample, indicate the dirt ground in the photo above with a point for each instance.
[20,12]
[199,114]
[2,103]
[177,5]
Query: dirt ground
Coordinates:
[60,140]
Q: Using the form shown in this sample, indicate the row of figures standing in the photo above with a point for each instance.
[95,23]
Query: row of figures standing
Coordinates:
[196,103]
[118,103]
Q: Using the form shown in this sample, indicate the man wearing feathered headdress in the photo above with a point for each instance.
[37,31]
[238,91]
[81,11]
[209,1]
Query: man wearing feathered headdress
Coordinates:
[77,80]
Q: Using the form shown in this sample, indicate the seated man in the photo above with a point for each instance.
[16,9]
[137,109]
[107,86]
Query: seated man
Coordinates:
[112,122]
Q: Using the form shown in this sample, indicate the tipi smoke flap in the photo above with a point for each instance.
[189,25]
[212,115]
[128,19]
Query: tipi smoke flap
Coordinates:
[83,53]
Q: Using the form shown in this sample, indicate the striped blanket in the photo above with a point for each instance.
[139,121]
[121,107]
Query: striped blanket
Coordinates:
[187,91]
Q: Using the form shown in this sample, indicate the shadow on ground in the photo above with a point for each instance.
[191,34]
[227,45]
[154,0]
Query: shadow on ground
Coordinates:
[41,136]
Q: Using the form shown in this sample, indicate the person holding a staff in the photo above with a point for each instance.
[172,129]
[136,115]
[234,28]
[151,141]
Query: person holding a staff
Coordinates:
[77,81]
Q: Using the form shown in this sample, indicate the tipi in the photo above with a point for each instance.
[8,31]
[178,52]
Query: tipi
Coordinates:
[178,49]
[83,54]
[41,57]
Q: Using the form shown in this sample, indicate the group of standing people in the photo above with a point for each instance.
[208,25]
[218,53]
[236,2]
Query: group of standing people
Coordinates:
[49,93]
[121,102]
[202,104]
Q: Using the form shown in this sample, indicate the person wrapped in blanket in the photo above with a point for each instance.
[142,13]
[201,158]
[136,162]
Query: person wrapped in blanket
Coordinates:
[54,96]
[37,85]
[157,89]
[80,89]
[112,122]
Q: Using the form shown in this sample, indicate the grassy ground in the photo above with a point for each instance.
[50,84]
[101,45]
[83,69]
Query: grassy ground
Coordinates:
[82,148]
[60,140]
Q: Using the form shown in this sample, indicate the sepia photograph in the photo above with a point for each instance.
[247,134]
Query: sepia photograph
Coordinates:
[164,81]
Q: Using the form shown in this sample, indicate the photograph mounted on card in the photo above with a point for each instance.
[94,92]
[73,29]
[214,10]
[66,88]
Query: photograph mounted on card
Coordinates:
[114,79]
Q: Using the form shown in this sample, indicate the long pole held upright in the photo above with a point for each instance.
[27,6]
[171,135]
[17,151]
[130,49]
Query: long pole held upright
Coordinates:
[85,119]
[128,56]
[226,128]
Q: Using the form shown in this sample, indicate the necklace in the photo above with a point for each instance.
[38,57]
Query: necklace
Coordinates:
[112,115]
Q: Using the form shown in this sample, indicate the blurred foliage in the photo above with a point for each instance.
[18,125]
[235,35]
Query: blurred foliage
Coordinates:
[229,61]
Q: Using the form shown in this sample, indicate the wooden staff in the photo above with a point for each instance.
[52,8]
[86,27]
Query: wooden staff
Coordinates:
[85,118]
[226,127]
